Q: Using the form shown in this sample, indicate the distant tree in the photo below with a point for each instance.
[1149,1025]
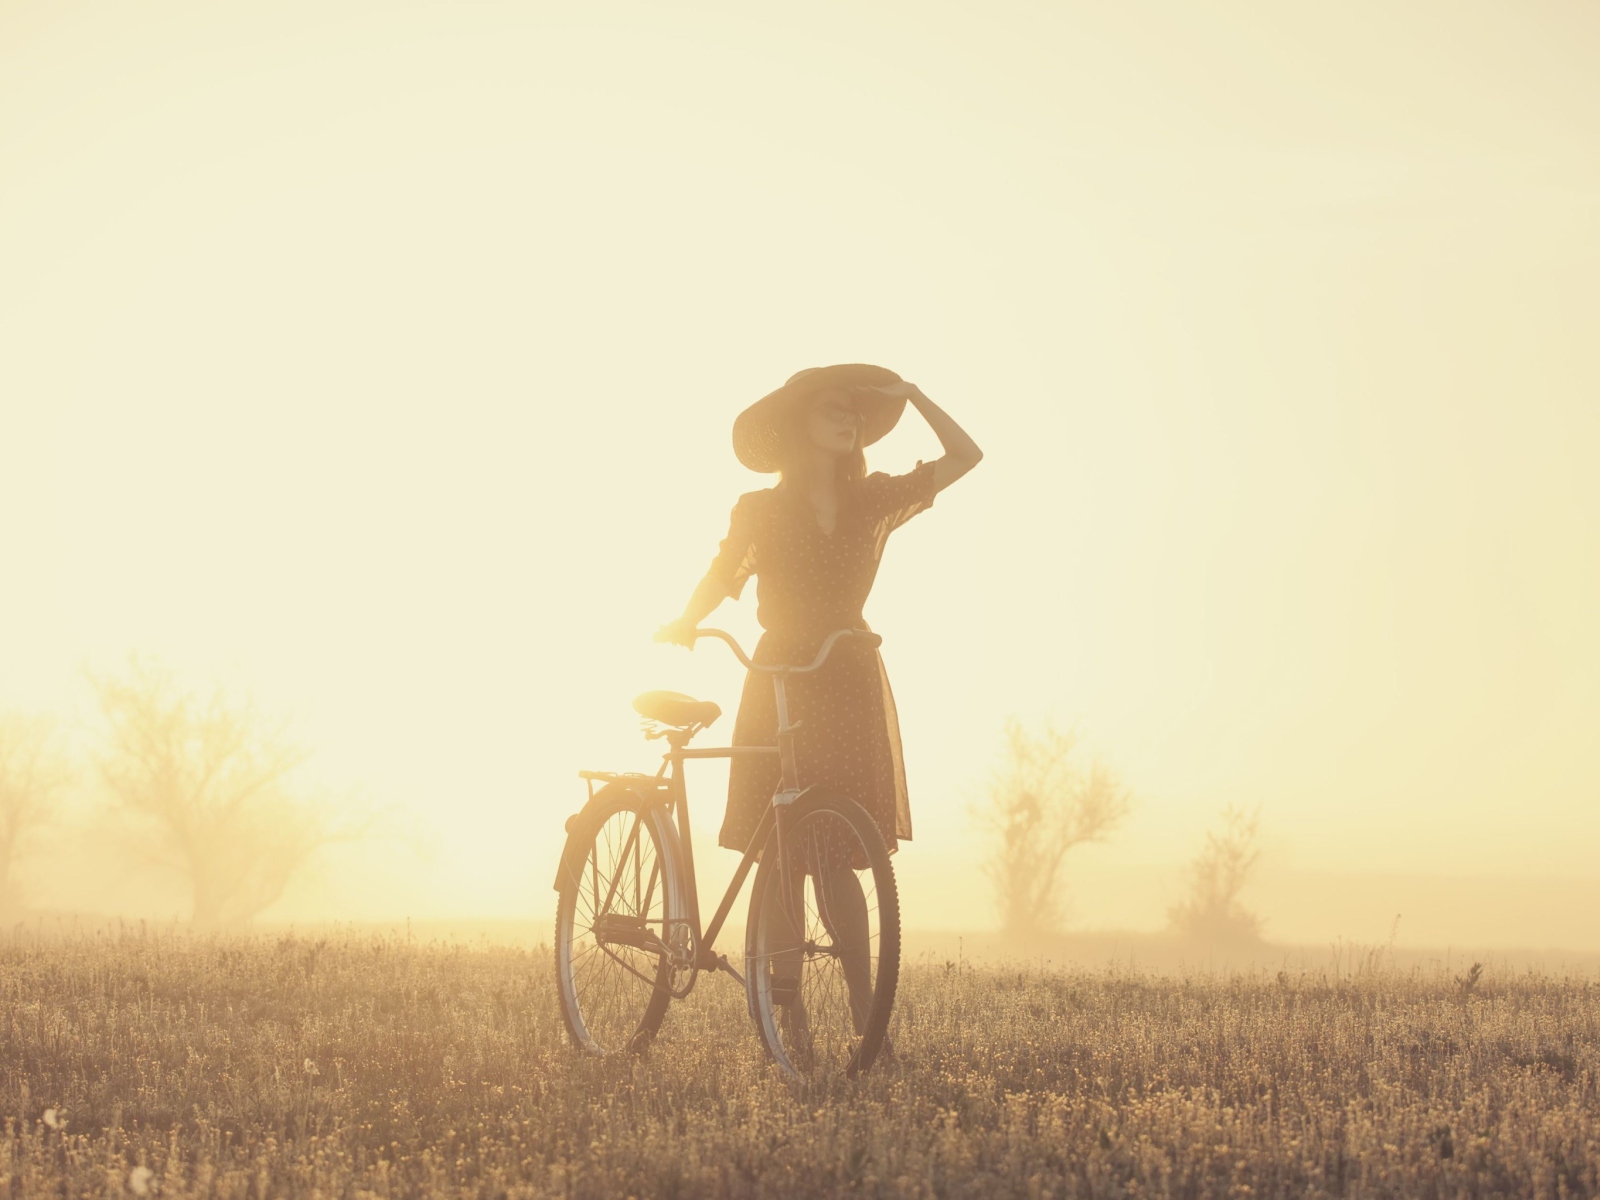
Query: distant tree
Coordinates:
[1042,803]
[34,773]
[1212,911]
[212,782]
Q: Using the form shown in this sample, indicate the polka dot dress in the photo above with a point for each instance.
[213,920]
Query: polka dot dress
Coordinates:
[810,583]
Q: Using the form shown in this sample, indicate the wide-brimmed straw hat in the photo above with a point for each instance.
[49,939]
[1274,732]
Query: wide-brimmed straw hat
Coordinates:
[757,432]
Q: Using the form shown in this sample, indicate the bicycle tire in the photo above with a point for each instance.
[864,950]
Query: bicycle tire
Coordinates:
[614,994]
[829,1026]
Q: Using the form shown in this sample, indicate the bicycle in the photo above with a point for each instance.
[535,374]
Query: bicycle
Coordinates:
[628,937]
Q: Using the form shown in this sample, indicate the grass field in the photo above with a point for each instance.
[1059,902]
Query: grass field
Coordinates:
[348,1067]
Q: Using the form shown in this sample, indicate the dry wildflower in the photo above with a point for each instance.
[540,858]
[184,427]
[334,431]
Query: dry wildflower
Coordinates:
[1099,1083]
[56,1118]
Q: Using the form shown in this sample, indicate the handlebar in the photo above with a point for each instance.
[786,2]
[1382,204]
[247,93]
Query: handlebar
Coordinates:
[871,640]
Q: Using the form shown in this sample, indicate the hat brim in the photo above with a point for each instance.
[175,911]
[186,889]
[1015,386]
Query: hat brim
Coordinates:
[757,431]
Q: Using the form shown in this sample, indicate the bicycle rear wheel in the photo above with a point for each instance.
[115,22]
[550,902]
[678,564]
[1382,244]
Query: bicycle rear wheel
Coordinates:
[622,936]
[822,947]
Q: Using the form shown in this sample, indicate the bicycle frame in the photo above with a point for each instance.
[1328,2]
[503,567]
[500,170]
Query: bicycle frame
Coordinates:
[677,802]
[706,957]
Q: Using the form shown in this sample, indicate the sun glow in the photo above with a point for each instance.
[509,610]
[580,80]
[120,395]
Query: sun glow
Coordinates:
[382,362]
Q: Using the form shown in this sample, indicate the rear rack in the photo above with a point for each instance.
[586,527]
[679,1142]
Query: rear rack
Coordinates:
[637,779]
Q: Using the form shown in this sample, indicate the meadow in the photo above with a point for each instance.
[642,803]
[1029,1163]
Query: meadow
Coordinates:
[355,1066]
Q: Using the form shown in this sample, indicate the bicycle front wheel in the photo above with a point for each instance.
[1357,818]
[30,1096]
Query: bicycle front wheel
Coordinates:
[622,933]
[822,947]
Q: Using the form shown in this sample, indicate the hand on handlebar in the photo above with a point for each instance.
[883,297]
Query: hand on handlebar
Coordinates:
[679,632]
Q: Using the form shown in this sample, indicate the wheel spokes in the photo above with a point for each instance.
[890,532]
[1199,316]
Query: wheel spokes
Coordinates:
[819,945]
[613,981]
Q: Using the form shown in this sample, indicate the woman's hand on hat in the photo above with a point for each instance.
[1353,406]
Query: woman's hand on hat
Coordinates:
[904,390]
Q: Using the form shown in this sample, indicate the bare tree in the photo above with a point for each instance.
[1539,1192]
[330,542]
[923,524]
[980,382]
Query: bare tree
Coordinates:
[33,775]
[1042,803]
[1212,911]
[213,783]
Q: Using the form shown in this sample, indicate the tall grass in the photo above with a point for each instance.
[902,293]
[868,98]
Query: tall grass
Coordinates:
[268,1067]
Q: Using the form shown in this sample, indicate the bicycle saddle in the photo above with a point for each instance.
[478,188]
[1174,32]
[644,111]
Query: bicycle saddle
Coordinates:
[675,709]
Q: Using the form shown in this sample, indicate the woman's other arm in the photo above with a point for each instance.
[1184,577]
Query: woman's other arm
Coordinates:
[734,563]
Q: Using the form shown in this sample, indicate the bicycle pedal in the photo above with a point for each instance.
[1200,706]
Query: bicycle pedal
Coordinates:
[784,991]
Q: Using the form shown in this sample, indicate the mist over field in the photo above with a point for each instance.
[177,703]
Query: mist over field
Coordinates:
[368,385]
[379,365]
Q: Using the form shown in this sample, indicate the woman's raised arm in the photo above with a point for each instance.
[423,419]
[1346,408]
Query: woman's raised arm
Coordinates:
[961,453]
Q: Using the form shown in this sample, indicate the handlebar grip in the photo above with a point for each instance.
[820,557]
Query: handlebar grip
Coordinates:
[870,640]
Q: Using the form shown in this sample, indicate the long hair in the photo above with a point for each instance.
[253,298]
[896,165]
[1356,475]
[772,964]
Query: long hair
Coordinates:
[795,457]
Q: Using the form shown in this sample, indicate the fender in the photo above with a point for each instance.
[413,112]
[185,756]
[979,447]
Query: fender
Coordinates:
[581,825]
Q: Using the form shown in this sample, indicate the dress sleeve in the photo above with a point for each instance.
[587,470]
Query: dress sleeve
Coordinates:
[898,498]
[736,557]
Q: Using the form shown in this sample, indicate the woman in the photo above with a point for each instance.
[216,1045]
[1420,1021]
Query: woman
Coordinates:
[814,542]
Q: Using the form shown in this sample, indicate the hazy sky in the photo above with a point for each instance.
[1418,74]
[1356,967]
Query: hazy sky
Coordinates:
[381,359]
